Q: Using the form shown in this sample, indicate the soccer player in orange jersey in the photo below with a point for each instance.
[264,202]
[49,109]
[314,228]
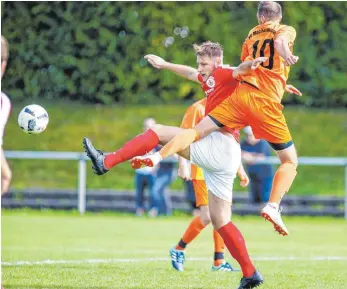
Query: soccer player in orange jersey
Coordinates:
[194,114]
[256,102]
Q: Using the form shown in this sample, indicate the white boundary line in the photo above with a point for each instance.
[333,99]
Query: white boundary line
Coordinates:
[69,249]
[138,260]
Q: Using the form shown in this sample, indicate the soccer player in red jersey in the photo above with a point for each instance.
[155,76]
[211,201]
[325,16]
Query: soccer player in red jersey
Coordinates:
[219,154]
[257,102]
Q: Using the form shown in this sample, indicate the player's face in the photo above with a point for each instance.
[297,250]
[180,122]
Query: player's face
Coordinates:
[206,65]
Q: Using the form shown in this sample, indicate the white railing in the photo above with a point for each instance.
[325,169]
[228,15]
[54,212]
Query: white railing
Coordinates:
[82,175]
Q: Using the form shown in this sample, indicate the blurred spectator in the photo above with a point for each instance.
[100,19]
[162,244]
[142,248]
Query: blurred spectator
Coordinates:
[145,178]
[166,174]
[6,174]
[190,195]
[260,175]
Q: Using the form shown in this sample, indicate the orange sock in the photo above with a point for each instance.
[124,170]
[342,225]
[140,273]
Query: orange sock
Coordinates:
[283,179]
[180,142]
[218,248]
[190,234]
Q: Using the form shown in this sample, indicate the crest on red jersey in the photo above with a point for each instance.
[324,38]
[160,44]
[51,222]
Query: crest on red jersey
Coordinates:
[210,82]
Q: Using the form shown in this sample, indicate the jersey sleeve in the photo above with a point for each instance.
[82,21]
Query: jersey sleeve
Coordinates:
[244,51]
[225,73]
[192,117]
[5,113]
[287,31]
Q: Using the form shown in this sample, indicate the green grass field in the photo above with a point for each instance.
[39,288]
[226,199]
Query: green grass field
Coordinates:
[121,251]
[315,132]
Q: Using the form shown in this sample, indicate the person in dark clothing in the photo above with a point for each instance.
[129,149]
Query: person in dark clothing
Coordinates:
[260,175]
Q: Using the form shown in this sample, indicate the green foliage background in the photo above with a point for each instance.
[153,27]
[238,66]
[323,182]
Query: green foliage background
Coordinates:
[93,51]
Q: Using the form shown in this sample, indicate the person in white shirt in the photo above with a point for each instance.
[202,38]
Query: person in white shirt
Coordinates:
[6,174]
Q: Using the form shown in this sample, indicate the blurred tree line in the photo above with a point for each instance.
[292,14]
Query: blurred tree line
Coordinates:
[93,51]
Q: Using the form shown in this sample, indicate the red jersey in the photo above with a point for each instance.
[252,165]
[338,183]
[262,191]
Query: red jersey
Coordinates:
[217,88]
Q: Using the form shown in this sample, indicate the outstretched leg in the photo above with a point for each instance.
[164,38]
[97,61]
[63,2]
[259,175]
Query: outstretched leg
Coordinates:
[138,146]
[179,143]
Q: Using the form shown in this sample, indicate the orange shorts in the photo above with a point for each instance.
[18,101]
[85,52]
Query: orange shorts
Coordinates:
[249,106]
[201,193]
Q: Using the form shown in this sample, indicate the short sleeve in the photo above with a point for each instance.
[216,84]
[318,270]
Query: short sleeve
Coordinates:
[5,113]
[289,32]
[224,73]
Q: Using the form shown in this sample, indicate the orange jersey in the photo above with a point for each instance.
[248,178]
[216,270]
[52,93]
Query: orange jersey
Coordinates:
[194,114]
[271,76]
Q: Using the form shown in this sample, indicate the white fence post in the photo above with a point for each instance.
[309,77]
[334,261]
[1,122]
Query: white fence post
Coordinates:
[346,191]
[82,177]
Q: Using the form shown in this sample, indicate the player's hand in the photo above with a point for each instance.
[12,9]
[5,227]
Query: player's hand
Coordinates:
[291,59]
[292,89]
[243,177]
[184,173]
[257,62]
[155,61]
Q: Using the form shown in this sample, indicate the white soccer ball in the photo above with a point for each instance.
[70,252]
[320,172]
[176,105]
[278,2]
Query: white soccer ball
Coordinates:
[33,119]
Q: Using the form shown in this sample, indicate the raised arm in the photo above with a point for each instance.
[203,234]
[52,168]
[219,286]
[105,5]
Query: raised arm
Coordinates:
[247,66]
[284,40]
[182,70]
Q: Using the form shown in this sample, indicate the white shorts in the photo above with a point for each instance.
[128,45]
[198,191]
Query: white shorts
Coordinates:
[219,156]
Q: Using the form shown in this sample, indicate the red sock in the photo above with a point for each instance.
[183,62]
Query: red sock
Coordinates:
[237,247]
[138,146]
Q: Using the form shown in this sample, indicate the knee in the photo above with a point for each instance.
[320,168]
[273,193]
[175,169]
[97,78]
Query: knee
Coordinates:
[293,163]
[218,221]
[205,218]
[290,162]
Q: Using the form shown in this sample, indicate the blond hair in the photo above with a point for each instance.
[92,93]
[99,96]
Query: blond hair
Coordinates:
[270,10]
[208,48]
[4,49]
